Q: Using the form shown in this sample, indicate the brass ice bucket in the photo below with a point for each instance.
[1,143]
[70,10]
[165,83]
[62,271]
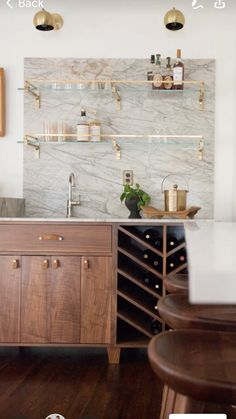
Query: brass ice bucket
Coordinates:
[175,199]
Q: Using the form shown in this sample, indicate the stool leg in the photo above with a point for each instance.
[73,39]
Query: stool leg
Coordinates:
[184,404]
[173,402]
[168,402]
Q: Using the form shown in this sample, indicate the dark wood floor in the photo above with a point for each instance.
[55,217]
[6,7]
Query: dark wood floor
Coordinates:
[77,383]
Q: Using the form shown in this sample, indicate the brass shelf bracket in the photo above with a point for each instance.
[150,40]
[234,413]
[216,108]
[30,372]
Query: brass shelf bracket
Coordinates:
[117,96]
[32,141]
[33,91]
[117,148]
[201,149]
[202,96]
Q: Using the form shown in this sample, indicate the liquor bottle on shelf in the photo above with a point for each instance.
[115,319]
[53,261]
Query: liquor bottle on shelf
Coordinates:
[178,72]
[150,72]
[156,327]
[152,281]
[168,77]
[153,237]
[157,76]
[83,127]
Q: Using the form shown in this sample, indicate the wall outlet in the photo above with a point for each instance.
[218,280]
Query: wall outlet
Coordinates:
[128,177]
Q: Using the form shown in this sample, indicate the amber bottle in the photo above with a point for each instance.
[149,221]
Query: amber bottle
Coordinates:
[178,72]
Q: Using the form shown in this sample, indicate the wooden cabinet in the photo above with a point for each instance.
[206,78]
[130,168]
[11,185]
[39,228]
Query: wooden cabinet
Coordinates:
[52,239]
[50,299]
[10,280]
[57,286]
[96,299]
[62,302]
[86,291]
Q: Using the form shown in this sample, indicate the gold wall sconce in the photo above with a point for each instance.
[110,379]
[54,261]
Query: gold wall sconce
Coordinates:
[45,21]
[174,20]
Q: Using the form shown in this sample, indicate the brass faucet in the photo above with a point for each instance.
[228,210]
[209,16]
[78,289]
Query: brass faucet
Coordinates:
[70,202]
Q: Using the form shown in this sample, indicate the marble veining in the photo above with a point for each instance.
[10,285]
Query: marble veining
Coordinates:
[144,111]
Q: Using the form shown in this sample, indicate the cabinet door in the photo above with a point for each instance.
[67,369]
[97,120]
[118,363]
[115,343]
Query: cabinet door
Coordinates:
[34,295]
[65,299]
[96,299]
[10,277]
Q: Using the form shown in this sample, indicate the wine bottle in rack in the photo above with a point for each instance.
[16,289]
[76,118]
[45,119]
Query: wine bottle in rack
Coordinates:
[176,260]
[156,327]
[172,242]
[157,262]
[152,259]
[155,303]
[147,256]
[182,256]
[153,237]
[152,281]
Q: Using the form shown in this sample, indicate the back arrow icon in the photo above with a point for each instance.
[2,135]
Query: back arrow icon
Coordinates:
[9,4]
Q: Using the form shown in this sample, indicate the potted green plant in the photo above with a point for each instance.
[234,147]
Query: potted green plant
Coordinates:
[135,198]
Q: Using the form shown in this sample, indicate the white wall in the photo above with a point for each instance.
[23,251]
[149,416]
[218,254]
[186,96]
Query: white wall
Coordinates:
[132,28]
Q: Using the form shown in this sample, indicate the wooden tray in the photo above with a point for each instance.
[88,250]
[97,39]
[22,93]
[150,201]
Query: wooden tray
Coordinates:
[151,212]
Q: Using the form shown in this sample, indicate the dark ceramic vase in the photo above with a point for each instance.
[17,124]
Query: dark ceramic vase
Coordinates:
[132,205]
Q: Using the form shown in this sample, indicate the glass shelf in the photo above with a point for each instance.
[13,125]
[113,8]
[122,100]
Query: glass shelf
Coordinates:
[117,141]
[80,84]
[117,88]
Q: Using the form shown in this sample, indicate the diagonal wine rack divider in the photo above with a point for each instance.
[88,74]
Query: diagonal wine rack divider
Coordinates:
[136,300]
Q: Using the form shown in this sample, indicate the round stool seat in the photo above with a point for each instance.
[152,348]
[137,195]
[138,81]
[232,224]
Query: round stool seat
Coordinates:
[176,284]
[178,313]
[198,364]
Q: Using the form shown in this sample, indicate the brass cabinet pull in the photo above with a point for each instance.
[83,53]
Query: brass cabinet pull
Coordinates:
[15,264]
[45,264]
[86,264]
[53,237]
[55,264]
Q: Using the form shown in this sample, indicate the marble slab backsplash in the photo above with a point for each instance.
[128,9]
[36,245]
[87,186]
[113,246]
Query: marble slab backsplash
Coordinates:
[144,111]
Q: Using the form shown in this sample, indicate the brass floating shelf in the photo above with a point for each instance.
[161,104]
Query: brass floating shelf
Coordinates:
[60,138]
[35,86]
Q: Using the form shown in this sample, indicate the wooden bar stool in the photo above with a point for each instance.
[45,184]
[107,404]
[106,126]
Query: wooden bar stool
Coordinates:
[197,367]
[178,313]
[176,284]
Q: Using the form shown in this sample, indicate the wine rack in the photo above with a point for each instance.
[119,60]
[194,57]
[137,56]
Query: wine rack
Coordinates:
[146,254]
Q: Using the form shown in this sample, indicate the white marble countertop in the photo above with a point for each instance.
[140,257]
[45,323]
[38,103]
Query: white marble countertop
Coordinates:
[211,247]
[97,220]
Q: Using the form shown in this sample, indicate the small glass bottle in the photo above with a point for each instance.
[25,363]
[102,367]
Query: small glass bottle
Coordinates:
[178,72]
[95,131]
[168,76]
[150,72]
[83,127]
[157,76]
